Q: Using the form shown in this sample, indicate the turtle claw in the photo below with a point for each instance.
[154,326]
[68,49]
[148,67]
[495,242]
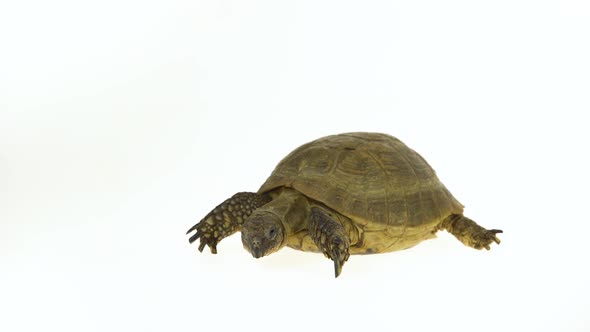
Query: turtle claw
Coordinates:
[339,260]
[339,254]
[194,237]
[202,246]
[337,268]
[208,233]
[494,232]
[485,238]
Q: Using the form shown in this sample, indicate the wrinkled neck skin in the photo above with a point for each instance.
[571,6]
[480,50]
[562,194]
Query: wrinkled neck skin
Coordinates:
[291,207]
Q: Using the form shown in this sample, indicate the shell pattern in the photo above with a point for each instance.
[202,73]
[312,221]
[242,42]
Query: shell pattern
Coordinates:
[388,191]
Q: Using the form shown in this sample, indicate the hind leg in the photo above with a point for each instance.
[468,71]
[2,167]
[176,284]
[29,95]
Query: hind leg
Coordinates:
[469,232]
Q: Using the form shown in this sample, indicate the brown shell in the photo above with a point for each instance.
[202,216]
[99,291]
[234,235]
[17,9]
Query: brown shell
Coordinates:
[373,179]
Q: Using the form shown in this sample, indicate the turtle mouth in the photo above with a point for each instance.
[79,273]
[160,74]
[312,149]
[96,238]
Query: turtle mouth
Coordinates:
[257,252]
[255,248]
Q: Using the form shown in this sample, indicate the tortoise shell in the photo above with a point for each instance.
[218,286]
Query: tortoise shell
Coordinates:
[374,179]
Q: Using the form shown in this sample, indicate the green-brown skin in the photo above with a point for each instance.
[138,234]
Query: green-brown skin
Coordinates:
[281,215]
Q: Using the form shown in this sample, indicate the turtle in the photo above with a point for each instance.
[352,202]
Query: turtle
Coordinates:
[341,195]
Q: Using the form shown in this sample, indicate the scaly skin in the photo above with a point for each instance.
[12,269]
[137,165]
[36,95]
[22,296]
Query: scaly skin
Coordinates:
[469,232]
[330,237]
[226,219]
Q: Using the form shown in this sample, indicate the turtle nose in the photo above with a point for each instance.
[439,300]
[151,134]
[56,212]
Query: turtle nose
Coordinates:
[256,252]
[256,242]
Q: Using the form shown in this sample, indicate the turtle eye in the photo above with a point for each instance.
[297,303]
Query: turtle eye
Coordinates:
[272,233]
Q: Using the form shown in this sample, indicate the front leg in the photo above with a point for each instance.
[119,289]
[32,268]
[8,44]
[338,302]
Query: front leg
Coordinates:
[330,237]
[226,219]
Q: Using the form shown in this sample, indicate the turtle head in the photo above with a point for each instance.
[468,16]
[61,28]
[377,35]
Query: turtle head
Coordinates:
[263,234]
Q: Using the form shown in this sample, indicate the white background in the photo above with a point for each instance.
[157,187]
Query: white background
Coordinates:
[122,123]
